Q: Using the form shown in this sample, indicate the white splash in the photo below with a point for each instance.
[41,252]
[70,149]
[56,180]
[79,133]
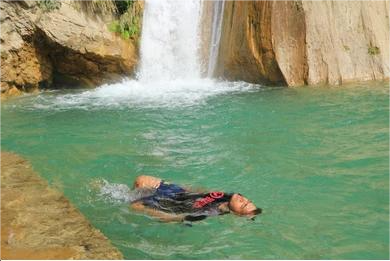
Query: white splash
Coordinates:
[120,193]
[135,94]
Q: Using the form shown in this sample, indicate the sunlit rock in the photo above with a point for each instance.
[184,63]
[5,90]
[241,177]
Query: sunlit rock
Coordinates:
[38,222]
[63,46]
[305,42]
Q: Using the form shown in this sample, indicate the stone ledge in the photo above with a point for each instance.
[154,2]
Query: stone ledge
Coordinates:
[38,222]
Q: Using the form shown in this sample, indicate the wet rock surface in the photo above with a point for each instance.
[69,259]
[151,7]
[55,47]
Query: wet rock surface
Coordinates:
[38,222]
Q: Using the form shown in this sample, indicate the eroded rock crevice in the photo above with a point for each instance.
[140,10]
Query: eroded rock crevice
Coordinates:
[246,51]
[65,47]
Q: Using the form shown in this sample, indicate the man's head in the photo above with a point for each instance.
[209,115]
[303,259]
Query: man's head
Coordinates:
[242,206]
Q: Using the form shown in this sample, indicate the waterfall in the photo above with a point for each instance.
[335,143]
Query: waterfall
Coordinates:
[169,72]
[170,40]
[218,7]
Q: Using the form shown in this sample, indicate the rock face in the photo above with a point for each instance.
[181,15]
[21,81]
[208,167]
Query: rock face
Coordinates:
[305,42]
[246,50]
[38,222]
[64,46]
[347,41]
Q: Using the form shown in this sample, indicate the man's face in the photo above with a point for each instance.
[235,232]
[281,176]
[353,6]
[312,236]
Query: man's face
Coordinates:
[241,205]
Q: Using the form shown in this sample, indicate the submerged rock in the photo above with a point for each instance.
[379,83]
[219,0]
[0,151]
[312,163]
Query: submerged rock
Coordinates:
[38,222]
[305,42]
[62,46]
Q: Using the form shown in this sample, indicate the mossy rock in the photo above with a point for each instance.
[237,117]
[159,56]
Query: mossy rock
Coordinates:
[373,50]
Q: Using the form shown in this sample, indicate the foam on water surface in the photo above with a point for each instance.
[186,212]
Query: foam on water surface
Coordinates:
[117,192]
[136,94]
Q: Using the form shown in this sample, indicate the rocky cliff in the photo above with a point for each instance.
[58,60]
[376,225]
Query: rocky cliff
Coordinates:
[305,42]
[59,45]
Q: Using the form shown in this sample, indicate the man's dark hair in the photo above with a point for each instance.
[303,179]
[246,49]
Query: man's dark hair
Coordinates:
[257,211]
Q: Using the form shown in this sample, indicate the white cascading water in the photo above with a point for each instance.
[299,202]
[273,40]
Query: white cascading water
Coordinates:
[218,8]
[170,40]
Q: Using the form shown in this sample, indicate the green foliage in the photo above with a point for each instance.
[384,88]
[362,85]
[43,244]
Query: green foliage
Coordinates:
[49,5]
[125,35]
[126,29]
[346,47]
[127,14]
[373,50]
[114,26]
[128,24]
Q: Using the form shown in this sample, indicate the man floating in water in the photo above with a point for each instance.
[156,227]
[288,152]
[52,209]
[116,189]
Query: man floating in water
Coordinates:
[170,202]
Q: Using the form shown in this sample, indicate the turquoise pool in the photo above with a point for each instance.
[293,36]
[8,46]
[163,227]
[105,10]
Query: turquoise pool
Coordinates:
[316,159]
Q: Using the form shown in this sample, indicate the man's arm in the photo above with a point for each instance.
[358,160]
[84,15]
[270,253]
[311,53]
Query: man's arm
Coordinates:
[145,181]
[194,190]
[163,216]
